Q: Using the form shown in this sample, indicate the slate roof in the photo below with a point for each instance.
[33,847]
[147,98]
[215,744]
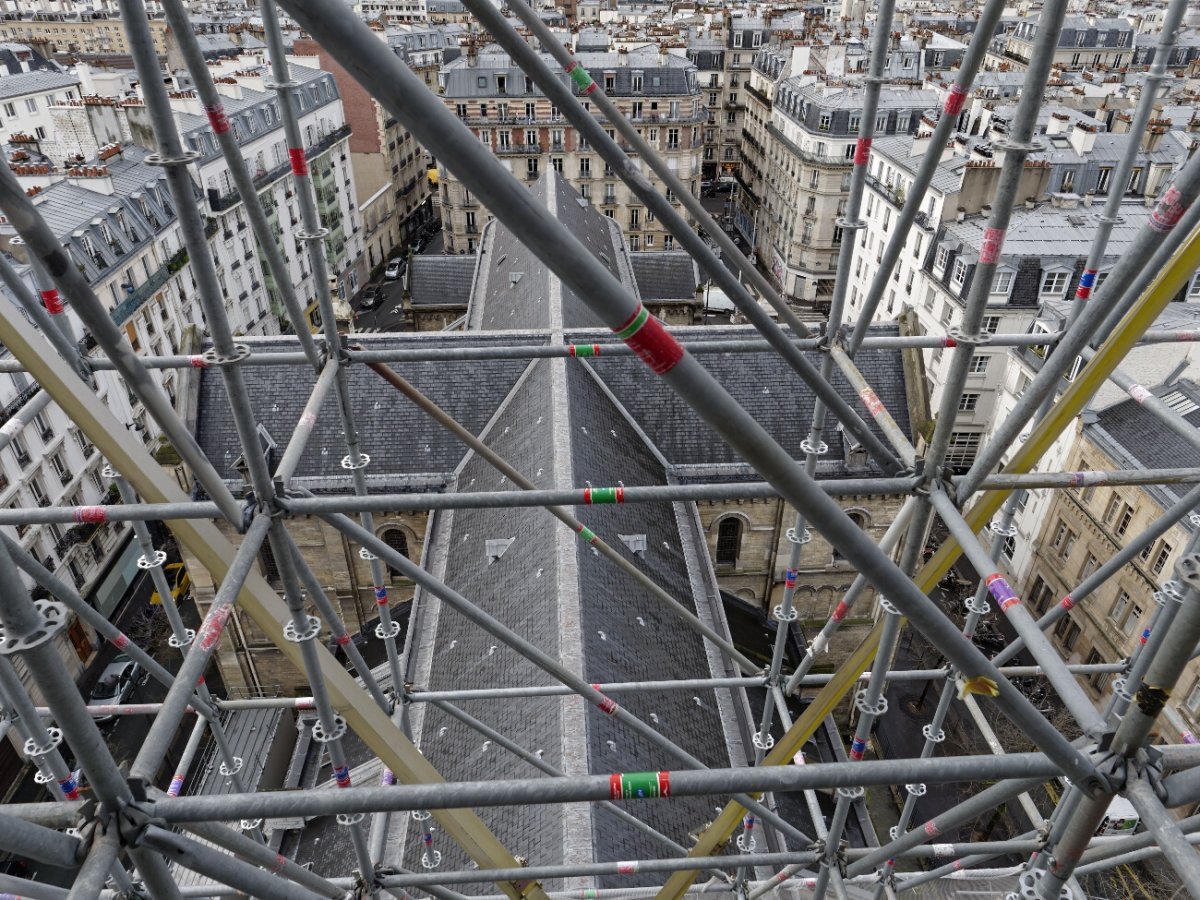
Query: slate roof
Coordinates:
[563,423]
[441,280]
[400,439]
[35,82]
[665,275]
[1141,436]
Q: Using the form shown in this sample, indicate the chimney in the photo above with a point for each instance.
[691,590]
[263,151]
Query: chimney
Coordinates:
[1058,123]
[622,56]
[1083,138]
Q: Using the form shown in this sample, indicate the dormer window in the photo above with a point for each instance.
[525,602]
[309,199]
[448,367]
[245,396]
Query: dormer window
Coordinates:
[1002,284]
[943,257]
[959,276]
[1054,283]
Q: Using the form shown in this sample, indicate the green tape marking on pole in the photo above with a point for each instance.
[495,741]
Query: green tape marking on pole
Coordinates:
[586,534]
[635,324]
[580,76]
[639,785]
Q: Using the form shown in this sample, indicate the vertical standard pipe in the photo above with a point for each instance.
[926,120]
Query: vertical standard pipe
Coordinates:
[313,234]
[304,631]
[1161,675]
[193,58]
[405,96]
[175,160]
[162,731]
[29,633]
[1016,150]
[985,29]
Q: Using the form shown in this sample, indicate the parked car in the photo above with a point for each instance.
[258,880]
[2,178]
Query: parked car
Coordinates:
[395,268]
[116,683]
[371,298]
[417,245]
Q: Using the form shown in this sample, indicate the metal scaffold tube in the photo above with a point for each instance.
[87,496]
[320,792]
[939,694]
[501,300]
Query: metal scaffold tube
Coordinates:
[565,516]
[134,818]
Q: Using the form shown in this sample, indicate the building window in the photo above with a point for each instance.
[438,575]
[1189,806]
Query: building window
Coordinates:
[729,540]
[1110,511]
[943,256]
[959,276]
[1064,539]
[991,324]
[1123,521]
[960,452]
[1002,284]
[968,402]
[1040,595]
[20,450]
[398,541]
[59,465]
[1120,608]
[1067,633]
[1098,680]
[1009,548]
[979,365]
[1054,284]
[1193,699]
[1160,560]
[1090,564]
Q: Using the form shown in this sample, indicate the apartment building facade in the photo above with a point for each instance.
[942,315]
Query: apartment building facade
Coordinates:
[253,302]
[69,30]
[1084,43]
[1083,527]
[807,156]
[392,188]
[504,110]
[28,98]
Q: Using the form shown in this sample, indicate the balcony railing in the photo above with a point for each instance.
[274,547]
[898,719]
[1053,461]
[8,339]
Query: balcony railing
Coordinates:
[127,307]
[221,202]
[519,150]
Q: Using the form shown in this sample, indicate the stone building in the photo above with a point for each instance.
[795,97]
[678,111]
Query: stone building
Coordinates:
[70,30]
[1083,527]
[808,154]
[632,428]
[504,109]
[1084,43]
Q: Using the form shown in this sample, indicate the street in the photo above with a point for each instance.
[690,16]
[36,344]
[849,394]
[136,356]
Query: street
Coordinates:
[389,315]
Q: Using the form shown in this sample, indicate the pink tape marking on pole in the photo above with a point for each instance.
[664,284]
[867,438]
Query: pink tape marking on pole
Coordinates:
[862,151]
[299,163]
[214,624]
[931,829]
[949,342]
[649,339]
[993,241]
[839,611]
[871,401]
[197,362]
[955,100]
[90,515]
[52,301]
[1168,212]
[1067,602]
[217,118]
[342,639]
[120,641]
[627,868]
